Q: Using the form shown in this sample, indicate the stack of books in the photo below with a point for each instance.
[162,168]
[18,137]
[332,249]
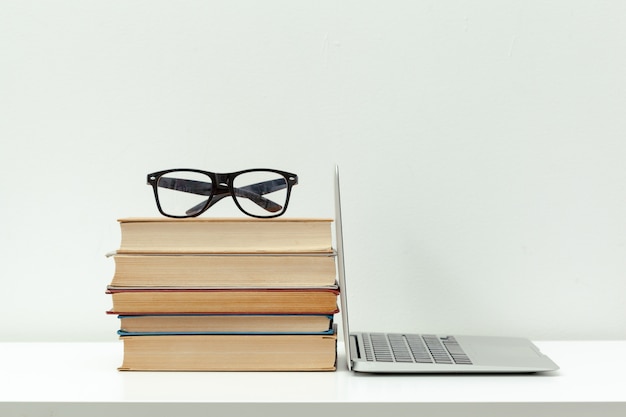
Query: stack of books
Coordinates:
[226,294]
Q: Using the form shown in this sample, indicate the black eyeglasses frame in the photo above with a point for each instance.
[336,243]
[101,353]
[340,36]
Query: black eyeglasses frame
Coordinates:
[221,187]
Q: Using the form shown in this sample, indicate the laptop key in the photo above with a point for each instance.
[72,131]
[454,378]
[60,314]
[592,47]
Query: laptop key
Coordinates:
[399,348]
[437,350]
[380,347]
[456,351]
[418,349]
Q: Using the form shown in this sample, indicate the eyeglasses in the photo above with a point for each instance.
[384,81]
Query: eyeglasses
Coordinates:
[183,193]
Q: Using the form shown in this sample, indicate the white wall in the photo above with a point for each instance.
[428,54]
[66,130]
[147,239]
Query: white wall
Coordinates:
[481,145]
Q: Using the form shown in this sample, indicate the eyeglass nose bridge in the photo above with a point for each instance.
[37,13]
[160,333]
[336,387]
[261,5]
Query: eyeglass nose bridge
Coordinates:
[222,181]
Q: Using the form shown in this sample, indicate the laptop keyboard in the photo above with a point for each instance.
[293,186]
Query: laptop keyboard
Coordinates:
[397,347]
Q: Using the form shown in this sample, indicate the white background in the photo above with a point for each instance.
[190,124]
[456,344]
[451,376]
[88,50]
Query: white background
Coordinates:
[481,146]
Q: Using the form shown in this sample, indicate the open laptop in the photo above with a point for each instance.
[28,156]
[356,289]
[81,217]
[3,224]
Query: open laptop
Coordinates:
[429,353]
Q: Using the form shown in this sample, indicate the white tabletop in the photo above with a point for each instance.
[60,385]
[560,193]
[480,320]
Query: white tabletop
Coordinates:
[67,378]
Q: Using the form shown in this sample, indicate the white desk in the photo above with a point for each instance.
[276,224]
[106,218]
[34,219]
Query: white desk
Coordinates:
[79,379]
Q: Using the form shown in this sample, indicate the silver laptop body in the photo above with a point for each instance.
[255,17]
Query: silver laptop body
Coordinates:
[382,352]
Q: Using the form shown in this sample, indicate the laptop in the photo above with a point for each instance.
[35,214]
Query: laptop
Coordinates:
[380,352]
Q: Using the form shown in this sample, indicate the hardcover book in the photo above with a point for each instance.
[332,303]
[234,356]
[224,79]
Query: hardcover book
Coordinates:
[230,353]
[226,323]
[230,235]
[219,270]
[224,301]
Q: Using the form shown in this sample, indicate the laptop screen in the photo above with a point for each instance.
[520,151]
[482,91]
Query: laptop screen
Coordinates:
[341,270]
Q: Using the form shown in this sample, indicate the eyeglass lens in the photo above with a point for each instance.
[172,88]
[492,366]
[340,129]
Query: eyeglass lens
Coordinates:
[180,191]
[261,193]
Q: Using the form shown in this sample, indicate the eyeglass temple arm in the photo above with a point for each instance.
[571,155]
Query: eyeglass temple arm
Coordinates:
[253,192]
[186,186]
